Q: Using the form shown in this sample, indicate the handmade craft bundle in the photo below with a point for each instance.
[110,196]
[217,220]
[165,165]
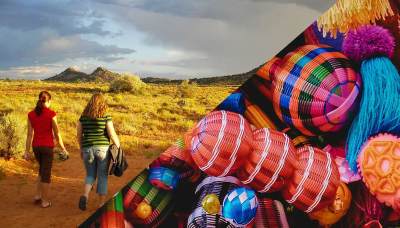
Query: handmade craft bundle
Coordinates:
[312,138]
[308,177]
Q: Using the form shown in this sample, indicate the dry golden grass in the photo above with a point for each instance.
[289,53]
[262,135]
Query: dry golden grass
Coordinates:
[146,122]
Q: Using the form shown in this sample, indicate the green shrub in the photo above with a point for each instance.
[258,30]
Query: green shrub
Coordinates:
[186,89]
[12,136]
[127,83]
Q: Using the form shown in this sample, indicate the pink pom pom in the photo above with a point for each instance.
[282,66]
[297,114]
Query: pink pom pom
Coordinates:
[368,41]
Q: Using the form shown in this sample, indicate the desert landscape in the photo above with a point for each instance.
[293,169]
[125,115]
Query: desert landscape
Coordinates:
[148,117]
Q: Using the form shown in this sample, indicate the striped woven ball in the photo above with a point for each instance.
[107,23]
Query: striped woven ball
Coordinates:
[315,180]
[240,206]
[219,186]
[270,163]
[315,89]
[220,142]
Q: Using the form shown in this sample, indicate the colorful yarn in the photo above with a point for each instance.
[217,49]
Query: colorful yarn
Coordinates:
[270,163]
[240,206]
[378,111]
[163,178]
[367,42]
[315,181]
[270,214]
[233,103]
[315,89]
[379,164]
[219,186]
[345,15]
[220,142]
[313,35]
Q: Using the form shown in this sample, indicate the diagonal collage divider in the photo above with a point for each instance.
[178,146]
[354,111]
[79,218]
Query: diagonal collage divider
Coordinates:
[148,201]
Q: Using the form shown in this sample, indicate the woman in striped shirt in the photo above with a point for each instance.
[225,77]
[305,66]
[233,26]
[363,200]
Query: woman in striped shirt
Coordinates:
[94,131]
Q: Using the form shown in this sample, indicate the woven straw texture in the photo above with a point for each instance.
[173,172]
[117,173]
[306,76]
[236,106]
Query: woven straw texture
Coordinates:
[270,163]
[113,213]
[260,112]
[211,185]
[314,182]
[177,158]
[270,214]
[220,143]
[315,89]
[140,189]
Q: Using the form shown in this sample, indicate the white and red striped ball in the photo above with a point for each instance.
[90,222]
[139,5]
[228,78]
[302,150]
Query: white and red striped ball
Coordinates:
[271,162]
[315,180]
[220,142]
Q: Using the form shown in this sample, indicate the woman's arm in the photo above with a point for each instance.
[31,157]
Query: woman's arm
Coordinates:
[79,136]
[111,132]
[29,138]
[57,133]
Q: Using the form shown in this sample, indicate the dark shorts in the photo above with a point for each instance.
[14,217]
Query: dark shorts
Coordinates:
[44,156]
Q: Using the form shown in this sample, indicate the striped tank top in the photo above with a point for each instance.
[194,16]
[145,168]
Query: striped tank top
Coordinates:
[94,131]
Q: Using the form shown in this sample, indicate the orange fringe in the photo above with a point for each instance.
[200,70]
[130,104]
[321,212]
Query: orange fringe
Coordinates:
[345,15]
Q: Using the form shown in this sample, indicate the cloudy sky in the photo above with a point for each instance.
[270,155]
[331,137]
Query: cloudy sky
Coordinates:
[161,38]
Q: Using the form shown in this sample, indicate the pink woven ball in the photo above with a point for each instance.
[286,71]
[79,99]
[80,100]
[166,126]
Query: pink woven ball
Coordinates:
[220,142]
[270,163]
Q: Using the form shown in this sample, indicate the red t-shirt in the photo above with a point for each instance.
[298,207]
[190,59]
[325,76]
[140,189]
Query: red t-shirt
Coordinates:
[42,127]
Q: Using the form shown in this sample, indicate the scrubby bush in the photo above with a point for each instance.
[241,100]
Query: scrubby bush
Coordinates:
[186,89]
[127,83]
[12,136]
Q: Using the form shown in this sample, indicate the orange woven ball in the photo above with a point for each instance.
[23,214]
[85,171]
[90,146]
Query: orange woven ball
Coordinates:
[220,142]
[270,163]
[315,180]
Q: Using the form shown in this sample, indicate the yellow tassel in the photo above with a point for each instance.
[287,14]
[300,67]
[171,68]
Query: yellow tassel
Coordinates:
[345,15]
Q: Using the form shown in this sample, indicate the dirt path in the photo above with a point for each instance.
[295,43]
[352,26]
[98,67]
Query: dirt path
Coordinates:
[17,188]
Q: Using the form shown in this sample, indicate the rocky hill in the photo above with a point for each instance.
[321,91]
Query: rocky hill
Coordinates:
[103,75]
[72,75]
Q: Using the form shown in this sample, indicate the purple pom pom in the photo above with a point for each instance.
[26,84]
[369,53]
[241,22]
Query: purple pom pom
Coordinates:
[368,41]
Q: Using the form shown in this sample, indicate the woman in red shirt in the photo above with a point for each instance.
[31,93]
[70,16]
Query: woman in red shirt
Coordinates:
[42,128]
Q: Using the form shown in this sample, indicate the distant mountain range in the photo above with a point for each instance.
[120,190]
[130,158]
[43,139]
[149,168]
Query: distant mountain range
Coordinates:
[72,75]
[103,75]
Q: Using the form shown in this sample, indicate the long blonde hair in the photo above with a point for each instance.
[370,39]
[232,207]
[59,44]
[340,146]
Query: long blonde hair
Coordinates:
[96,107]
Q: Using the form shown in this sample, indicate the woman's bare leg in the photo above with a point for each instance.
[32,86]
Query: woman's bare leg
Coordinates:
[38,189]
[45,194]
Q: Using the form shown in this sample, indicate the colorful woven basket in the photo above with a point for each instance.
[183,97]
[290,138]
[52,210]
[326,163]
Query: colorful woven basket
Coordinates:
[113,213]
[220,142]
[141,190]
[270,163]
[164,178]
[315,181]
[315,89]
[270,214]
[260,111]
[219,186]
